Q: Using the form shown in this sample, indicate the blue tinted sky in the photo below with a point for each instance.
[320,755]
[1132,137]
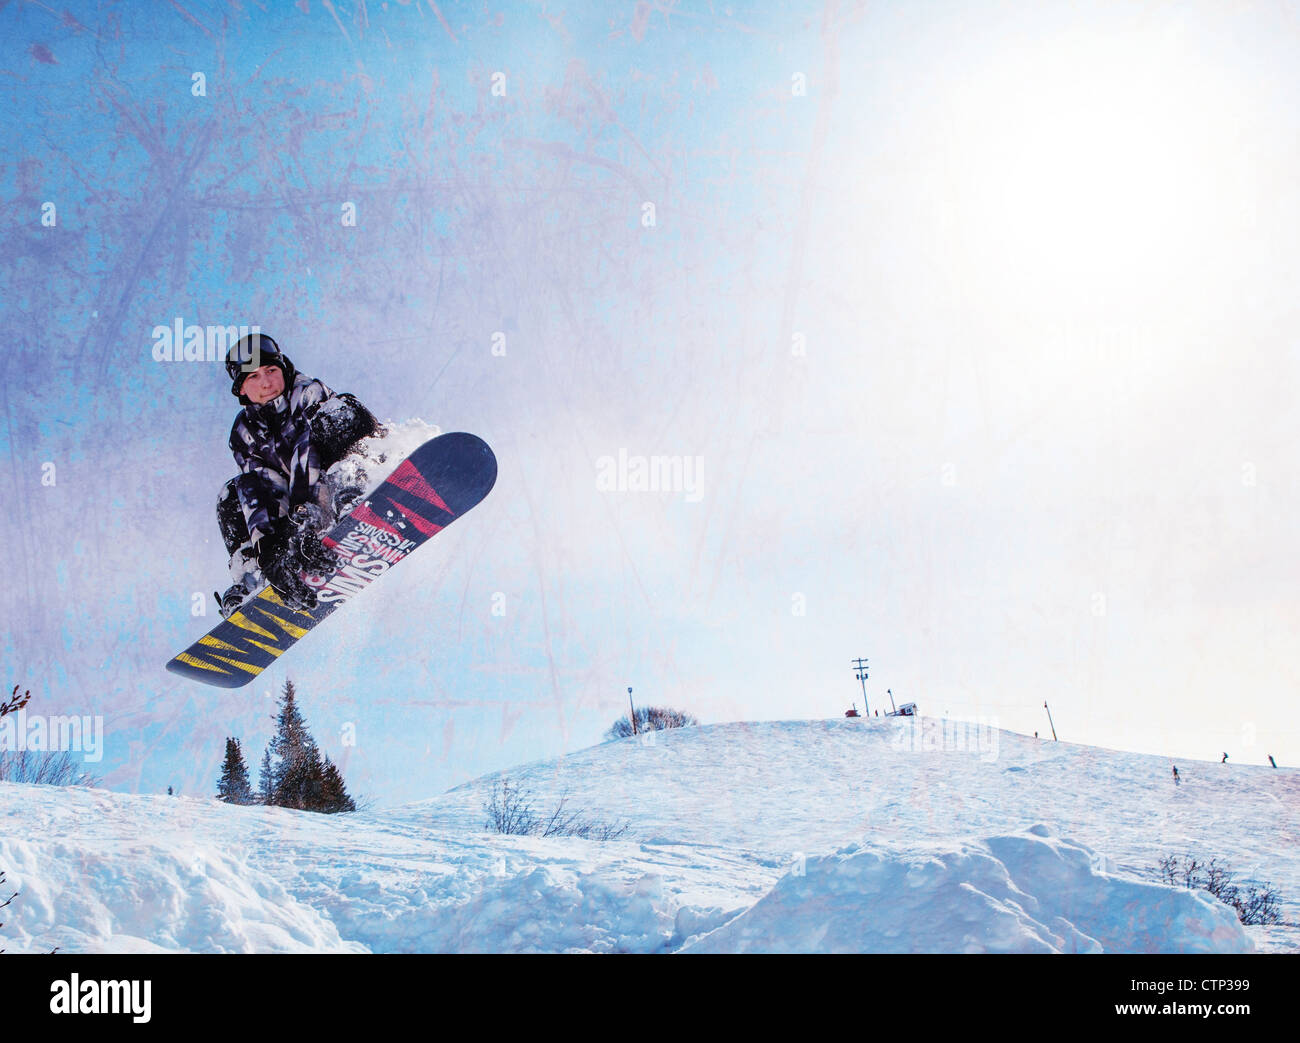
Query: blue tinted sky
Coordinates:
[979,320]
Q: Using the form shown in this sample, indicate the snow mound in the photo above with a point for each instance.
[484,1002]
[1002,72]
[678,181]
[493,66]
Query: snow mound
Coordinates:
[152,896]
[1025,893]
[567,912]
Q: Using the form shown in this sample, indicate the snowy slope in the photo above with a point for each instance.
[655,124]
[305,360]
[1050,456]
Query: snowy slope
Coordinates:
[790,836]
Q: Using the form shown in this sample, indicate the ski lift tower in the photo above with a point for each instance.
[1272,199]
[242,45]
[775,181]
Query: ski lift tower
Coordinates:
[861,666]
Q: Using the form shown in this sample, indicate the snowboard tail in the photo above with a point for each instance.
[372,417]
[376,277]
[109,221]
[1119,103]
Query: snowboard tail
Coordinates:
[429,490]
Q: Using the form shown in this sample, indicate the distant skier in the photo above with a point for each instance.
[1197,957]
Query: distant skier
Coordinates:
[1177,780]
[1271,760]
[1225,759]
[291,430]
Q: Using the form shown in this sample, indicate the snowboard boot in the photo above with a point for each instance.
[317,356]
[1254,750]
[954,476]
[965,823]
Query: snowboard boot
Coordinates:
[348,497]
[233,599]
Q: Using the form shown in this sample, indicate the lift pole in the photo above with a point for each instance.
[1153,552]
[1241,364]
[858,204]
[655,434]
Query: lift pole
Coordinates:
[861,675]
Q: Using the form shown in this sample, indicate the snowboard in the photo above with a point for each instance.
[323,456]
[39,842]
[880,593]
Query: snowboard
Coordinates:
[427,491]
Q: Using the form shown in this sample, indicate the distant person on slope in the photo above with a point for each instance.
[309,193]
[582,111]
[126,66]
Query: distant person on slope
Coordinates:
[291,430]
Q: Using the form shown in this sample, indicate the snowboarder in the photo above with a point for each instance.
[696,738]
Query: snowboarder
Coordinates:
[1225,759]
[1177,780]
[291,430]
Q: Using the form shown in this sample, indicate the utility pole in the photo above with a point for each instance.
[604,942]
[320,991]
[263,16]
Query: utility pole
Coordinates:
[633,708]
[861,675]
[891,700]
[1049,720]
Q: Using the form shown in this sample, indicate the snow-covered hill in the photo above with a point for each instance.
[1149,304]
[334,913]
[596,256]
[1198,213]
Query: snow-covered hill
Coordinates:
[866,835]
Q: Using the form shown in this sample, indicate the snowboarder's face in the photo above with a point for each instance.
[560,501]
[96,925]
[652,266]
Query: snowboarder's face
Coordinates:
[263,384]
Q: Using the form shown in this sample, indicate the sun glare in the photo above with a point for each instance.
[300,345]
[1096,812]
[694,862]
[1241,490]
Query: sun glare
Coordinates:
[1091,168]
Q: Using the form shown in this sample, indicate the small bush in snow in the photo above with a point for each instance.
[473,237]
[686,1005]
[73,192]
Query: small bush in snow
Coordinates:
[2,890]
[565,823]
[12,705]
[651,719]
[40,767]
[1254,905]
[43,768]
[509,810]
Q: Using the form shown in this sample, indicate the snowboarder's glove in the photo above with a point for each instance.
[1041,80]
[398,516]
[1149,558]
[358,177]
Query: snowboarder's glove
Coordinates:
[309,521]
[311,517]
[287,581]
[282,568]
[313,555]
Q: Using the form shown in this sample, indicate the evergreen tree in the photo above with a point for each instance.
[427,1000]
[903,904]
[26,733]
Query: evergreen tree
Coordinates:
[233,786]
[286,745]
[303,783]
[297,774]
[294,775]
[266,779]
[334,793]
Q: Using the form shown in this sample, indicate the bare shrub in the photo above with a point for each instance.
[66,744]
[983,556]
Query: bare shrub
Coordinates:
[651,719]
[43,768]
[1255,904]
[2,890]
[565,823]
[509,810]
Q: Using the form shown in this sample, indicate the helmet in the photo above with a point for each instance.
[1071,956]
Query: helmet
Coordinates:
[252,352]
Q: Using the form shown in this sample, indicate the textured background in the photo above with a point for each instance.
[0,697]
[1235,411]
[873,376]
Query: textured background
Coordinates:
[979,318]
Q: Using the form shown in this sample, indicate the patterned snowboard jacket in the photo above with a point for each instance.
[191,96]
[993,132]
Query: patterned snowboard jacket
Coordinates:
[283,447]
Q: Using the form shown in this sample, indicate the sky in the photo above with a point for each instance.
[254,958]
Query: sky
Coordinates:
[970,325]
